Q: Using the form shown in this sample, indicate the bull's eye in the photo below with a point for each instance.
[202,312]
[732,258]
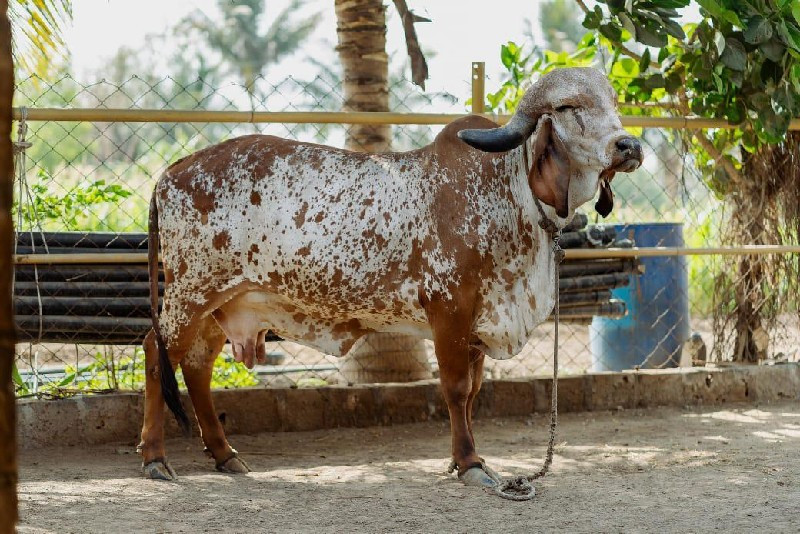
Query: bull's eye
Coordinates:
[564,108]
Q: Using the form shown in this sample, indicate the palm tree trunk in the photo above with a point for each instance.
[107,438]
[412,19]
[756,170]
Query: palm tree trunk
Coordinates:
[361,27]
[8,445]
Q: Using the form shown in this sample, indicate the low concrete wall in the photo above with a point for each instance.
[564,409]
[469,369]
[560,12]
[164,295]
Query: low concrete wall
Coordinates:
[118,417]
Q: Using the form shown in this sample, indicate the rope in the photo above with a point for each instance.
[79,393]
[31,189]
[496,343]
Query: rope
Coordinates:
[520,488]
[21,145]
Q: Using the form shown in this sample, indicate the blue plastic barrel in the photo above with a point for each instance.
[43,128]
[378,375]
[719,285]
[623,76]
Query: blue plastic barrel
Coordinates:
[652,334]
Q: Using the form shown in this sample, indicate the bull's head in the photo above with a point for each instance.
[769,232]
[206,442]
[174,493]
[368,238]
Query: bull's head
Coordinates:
[578,143]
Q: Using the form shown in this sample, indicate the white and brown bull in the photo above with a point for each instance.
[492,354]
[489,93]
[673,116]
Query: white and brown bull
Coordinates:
[322,246]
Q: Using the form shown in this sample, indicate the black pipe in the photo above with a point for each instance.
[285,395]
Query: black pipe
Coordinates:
[76,250]
[93,240]
[83,273]
[84,289]
[593,282]
[614,309]
[578,222]
[67,324]
[574,268]
[78,306]
[590,237]
[567,300]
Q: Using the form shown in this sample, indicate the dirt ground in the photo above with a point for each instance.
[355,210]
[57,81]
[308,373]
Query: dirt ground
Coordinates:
[732,469]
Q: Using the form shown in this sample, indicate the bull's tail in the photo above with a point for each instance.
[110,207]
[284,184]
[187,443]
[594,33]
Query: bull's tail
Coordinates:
[169,385]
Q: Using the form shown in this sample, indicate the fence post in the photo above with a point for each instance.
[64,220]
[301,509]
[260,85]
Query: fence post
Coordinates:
[8,442]
[478,89]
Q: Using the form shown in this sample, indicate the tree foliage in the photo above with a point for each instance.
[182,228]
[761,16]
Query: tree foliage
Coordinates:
[740,63]
[245,47]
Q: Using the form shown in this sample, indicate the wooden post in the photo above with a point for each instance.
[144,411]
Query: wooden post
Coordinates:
[478,89]
[8,427]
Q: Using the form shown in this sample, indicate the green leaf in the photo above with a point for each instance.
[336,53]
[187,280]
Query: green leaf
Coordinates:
[647,36]
[625,68]
[795,77]
[717,11]
[796,11]
[67,380]
[655,81]
[644,63]
[736,77]
[627,23]
[611,32]
[734,56]
[673,82]
[773,49]
[593,19]
[719,42]
[790,35]
[758,30]
[506,57]
[674,29]
[21,387]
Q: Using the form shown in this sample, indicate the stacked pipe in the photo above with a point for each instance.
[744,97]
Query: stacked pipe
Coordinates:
[109,303]
[585,285]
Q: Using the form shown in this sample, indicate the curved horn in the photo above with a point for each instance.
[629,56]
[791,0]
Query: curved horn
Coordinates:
[517,130]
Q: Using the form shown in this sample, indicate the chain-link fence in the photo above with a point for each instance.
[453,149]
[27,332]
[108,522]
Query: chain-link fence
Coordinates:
[84,187]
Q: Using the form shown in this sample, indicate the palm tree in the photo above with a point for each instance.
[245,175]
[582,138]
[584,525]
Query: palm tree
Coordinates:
[361,28]
[244,47]
[36,32]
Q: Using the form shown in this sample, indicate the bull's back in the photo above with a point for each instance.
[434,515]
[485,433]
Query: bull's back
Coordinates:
[307,221]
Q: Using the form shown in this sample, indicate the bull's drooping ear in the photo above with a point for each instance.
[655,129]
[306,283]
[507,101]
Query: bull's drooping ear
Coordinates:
[501,139]
[605,203]
[550,171]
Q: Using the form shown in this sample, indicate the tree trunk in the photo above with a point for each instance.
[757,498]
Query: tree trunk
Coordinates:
[361,27]
[8,442]
[764,290]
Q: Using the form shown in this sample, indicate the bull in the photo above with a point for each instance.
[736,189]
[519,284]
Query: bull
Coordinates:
[322,246]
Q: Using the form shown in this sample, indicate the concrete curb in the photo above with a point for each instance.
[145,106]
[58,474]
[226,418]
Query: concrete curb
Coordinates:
[99,419]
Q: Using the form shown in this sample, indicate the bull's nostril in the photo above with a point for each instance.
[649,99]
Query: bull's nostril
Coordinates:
[625,144]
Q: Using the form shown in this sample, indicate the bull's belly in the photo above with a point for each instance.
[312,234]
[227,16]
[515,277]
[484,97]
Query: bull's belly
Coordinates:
[246,317]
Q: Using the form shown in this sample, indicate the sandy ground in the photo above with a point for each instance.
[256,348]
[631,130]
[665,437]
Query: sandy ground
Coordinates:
[729,469]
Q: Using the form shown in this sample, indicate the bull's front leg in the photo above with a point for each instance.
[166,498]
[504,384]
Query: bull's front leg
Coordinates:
[451,333]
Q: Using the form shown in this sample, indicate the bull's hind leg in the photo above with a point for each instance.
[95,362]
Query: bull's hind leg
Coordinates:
[197,366]
[154,460]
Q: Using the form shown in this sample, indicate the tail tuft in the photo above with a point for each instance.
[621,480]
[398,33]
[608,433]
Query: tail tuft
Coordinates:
[169,385]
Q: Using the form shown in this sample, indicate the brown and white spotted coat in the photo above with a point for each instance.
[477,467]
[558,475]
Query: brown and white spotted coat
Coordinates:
[322,246]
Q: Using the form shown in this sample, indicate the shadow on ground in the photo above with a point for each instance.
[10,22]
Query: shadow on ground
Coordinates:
[723,468]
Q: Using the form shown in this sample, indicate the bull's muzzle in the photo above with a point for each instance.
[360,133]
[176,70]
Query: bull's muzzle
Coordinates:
[629,155]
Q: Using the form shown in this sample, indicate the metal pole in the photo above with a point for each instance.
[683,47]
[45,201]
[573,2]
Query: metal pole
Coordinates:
[571,254]
[327,117]
[746,250]
[478,86]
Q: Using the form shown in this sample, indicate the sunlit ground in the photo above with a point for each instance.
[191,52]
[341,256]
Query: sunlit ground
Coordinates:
[732,468]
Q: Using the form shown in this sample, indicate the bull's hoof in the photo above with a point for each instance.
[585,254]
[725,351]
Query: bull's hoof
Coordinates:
[482,477]
[159,470]
[234,465]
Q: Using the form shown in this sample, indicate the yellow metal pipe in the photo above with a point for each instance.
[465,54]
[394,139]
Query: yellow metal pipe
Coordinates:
[478,89]
[571,254]
[608,253]
[321,117]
